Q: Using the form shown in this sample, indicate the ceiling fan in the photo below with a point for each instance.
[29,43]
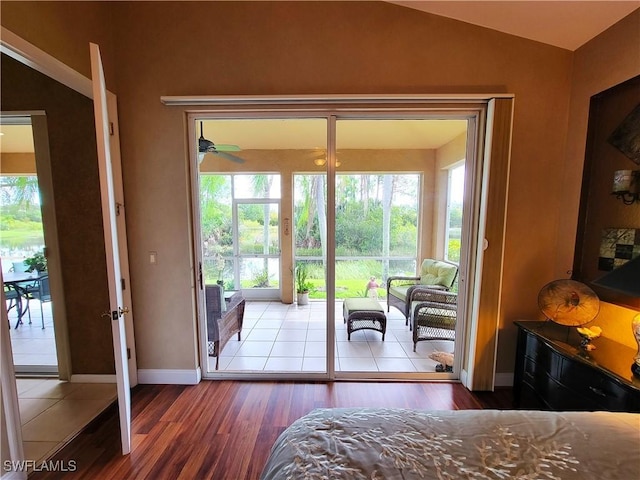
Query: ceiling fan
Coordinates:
[319,157]
[207,146]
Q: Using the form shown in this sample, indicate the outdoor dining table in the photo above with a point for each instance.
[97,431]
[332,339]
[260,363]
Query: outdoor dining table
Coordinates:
[19,281]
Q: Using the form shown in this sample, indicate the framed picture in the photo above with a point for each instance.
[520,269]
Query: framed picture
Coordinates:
[618,246]
[626,137]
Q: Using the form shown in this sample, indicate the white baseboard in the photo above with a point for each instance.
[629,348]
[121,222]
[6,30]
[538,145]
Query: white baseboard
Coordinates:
[172,377]
[82,378]
[504,379]
[464,377]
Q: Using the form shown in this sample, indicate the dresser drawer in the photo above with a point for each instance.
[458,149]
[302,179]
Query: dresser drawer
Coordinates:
[597,388]
[540,358]
[553,372]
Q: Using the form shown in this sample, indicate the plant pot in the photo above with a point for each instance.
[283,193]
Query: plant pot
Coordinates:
[303,298]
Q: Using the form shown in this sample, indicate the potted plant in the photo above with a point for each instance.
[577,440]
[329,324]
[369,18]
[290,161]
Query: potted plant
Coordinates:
[302,285]
[36,263]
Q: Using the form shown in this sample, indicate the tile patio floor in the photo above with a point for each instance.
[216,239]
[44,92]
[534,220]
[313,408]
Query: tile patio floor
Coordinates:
[278,337]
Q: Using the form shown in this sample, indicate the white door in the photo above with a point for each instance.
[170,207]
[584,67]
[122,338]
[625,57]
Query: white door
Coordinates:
[116,308]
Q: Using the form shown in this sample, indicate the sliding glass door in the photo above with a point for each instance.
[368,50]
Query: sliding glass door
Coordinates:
[391,193]
[299,215]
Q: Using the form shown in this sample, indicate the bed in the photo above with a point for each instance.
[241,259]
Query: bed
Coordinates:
[388,443]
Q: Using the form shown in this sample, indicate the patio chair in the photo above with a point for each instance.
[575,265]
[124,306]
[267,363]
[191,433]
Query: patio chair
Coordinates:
[434,316]
[39,291]
[434,275]
[12,295]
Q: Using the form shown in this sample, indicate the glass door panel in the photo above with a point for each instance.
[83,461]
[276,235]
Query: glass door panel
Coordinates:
[247,224]
[391,199]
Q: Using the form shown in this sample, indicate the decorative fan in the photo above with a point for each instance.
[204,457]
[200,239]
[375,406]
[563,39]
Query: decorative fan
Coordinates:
[207,146]
[568,302]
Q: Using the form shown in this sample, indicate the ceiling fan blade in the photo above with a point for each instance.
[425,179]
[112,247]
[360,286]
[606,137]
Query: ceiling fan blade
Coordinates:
[229,156]
[227,148]
[205,146]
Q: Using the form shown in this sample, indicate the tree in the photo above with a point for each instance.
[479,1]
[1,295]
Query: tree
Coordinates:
[21,197]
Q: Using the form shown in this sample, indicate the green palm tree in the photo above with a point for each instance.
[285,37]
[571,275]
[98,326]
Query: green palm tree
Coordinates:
[20,191]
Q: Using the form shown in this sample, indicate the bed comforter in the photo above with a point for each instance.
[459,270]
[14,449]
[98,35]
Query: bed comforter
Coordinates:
[384,443]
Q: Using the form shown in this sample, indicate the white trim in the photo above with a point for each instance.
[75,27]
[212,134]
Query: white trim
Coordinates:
[88,378]
[464,377]
[169,377]
[253,100]
[33,57]
[504,379]
[9,391]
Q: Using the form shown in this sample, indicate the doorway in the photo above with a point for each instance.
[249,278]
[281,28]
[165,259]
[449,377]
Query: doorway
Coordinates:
[24,228]
[399,191]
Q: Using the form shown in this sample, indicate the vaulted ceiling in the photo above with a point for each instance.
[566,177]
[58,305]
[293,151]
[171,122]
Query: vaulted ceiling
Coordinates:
[564,24]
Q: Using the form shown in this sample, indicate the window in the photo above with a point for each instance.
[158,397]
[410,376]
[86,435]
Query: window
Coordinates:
[453,231]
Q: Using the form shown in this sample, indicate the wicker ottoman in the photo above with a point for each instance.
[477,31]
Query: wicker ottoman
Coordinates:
[364,313]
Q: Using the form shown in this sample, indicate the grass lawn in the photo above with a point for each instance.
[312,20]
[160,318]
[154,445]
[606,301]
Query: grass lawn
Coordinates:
[347,288]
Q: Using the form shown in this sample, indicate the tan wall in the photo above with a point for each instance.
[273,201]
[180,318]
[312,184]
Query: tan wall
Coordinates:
[323,47]
[315,47]
[17,163]
[64,29]
[610,59]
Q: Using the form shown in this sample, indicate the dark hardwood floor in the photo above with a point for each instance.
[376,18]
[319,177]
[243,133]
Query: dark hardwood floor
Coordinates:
[225,429]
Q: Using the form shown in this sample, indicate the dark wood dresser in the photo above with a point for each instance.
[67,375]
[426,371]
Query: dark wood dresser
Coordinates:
[552,372]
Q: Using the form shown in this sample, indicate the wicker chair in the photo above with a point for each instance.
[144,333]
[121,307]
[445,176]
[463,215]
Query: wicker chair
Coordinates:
[434,275]
[433,315]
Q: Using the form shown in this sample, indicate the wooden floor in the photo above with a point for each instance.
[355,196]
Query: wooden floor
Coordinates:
[224,429]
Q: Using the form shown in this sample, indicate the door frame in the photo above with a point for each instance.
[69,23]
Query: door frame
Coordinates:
[274,294]
[33,57]
[38,121]
[488,151]
[37,59]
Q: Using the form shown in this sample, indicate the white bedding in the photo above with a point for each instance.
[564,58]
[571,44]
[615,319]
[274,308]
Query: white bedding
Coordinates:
[367,443]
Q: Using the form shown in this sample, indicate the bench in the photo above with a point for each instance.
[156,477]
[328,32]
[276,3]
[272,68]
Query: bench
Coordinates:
[223,319]
[364,313]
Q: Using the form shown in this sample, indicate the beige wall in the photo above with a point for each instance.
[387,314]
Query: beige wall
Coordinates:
[312,47]
[610,59]
[17,163]
[188,48]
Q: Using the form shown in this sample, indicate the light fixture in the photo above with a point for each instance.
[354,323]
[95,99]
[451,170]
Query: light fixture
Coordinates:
[626,280]
[626,186]
[321,162]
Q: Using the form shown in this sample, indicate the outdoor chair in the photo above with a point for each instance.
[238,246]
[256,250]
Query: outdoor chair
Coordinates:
[39,291]
[12,295]
[434,316]
[434,275]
